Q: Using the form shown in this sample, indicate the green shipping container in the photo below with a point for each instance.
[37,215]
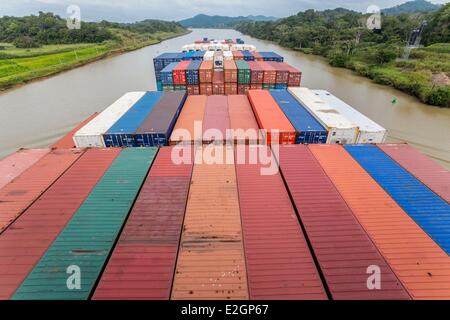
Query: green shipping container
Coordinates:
[83,246]
[244,72]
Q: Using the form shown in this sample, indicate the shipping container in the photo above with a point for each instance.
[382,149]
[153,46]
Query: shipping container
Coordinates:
[368,130]
[179,73]
[193,89]
[419,263]
[206,72]
[231,88]
[218,83]
[188,56]
[268,86]
[270,73]
[167,74]
[248,56]
[256,73]
[228,55]
[209,56]
[217,120]
[255,86]
[159,86]
[191,115]
[198,55]
[67,142]
[282,72]
[89,236]
[230,71]
[281,87]
[142,264]
[271,118]
[168,88]
[342,247]
[156,129]
[17,163]
[123,132]
[211,262]
[91,135]
[340,129]
[206,89]
[271,56]
[163,60]
[242,120]
[218,61]
[295,76]
[427,209]
[309,130]
[243,88]
[257,56]
[430,173]
[180,88]
[243,72]
[25,242]
[192,73]
[238,55]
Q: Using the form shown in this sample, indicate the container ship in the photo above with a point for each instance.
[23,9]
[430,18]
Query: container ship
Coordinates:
[232,181]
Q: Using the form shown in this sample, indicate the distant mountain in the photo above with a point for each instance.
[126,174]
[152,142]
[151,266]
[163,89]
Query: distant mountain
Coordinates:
[411,7]
[205,21]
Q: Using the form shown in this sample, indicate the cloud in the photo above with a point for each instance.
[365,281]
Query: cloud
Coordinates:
[132,10]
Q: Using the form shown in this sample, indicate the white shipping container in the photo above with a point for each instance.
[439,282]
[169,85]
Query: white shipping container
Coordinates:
[228,55]
[340,129]
[209,56]
[369,130]
[91,135]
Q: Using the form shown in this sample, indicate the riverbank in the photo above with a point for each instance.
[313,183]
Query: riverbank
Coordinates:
[20,66]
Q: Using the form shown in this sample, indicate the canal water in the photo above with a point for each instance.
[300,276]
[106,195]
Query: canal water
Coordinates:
[37,114]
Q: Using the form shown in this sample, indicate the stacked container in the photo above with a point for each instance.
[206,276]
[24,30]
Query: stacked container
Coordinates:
[228,55]
[244,76]
[209,56]
[242,120]
[179,75]
[167,77]
[230,77]
[206,77]
[216,121]
[271,56]
[218,83]
[193,78]
[248,56]
[238,55]
[190,117]
[257,56]
[257,75]
[270,75]
[163,60]
[282,74]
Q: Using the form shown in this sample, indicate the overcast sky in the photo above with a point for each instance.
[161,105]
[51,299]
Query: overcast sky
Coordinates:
[132,10]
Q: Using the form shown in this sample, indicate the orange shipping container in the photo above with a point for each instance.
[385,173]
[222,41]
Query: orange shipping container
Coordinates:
[270,73]
[231,88]
[271,118]
[242,120]
[237,55]
[230,69]
[211,263]
[18,195]
[206,72]
[419,263]
[193,89]
[193,111]
[206,89]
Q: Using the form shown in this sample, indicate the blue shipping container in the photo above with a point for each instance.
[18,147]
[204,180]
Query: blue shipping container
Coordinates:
[309,130]
[159,86]
[122,133]
[166,74]
[198,55]
[429,210]
[271,56]
[189,55]
[192,72]
[281,86]
[248,56]
[163,60]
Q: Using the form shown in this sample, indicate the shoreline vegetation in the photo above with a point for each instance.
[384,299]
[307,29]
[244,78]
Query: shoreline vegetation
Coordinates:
[26,58]
[342,38]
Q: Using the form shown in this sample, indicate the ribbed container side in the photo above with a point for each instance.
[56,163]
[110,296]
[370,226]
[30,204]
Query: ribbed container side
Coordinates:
[242,120]
[211,262]
[423,168]
[343,249]
[123,132]
[420,264]
[18,195]
[279,262]
[67,142]
[429,210]
[271,118]
[25,242]
[87,239]
[17,163]
[193,112]
[143,262]
[217,119]
[309,130]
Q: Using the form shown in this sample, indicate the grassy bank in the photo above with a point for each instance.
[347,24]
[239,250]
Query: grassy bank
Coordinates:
[19,66]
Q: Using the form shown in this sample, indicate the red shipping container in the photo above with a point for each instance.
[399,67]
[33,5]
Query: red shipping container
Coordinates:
[67,142]
[230,71]
[270,74]
[179,72]
[218,83]
[206,89]
[257,56]
[271,118]
[26,241]
[19,194]
[243,88]
[282,72]
[230,88]
[257,72]
[335,234]
[193,89]
[279,262]
[206,72]
[423,168]
[143,262]
[218,89]
[242,120]
[217,120]
[295,76]
[237,55]
[255,86]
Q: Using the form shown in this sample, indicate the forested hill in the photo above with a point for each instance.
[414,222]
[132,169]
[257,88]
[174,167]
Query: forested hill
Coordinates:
[411,7]
[206,21]
[343,38]
[48,28]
